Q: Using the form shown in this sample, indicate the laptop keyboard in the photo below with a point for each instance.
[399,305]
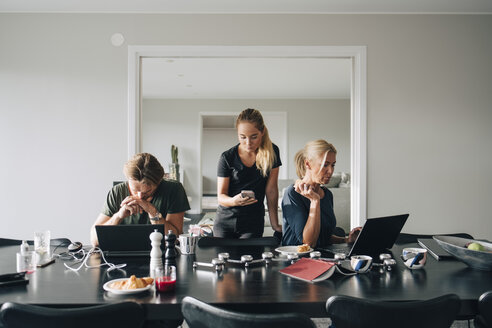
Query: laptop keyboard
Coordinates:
[344,249]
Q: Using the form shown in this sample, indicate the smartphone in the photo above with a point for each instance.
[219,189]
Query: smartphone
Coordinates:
[248,193]
[12,279]
[42,265]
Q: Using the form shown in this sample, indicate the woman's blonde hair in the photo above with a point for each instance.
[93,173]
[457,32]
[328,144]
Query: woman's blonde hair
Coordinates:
[265,157]
[144,168]
[312,150]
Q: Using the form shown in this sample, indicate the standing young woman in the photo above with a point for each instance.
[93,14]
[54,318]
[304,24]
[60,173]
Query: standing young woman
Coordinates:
[252,165]
[307,206]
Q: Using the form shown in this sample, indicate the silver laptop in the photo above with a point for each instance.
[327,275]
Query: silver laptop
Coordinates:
[127,239]
[377,236]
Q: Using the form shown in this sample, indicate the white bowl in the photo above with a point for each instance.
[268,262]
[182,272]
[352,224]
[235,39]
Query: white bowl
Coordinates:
[360,263]
[481,260]
[414,258]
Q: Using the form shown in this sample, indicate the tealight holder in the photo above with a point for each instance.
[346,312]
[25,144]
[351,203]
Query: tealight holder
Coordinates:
[292,257]
[387,262]
[340,256]
[217,264]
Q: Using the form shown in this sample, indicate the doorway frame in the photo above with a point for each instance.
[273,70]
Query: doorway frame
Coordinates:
[358,98]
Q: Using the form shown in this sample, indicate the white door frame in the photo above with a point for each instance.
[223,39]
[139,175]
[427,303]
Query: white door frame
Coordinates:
[358,124]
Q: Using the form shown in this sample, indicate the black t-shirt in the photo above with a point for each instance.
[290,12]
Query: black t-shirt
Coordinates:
[170,197]
[295,209]
[242,177]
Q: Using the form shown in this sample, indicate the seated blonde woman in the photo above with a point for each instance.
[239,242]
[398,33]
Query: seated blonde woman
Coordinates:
[307,206]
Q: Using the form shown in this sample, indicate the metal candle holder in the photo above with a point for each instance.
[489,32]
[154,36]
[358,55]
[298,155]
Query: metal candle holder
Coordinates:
[387,262]
[220,261]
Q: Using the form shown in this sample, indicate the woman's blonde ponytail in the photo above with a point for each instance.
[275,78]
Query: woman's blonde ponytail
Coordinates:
[266,155]
[299,162]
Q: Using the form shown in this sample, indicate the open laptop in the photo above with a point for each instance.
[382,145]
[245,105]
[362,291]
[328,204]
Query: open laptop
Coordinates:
[127,239]
[377,236]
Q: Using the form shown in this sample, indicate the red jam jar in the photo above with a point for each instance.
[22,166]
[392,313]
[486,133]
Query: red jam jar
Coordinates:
[165,279]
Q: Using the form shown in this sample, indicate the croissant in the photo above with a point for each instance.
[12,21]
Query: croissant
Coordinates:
[132,283]
[303,248]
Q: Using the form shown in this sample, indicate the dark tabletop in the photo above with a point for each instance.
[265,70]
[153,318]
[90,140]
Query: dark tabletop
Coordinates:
[259,289]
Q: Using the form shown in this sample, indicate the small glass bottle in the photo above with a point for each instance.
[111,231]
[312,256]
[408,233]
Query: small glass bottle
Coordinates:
[24,247]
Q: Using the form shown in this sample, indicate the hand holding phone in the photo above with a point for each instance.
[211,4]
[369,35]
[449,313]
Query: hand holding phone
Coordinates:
[248,194]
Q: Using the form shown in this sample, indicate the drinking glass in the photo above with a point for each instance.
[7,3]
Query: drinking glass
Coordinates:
[187,243]
[26,262]
[42,245]
[165,278]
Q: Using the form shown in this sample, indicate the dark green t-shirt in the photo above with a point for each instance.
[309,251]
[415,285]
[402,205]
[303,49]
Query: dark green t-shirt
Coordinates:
[170,197]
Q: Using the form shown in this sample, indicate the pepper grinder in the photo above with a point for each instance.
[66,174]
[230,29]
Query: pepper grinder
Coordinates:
[170,255]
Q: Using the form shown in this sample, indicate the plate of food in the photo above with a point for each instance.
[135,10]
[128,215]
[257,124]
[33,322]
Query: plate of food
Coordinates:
[132,285]
[299,250]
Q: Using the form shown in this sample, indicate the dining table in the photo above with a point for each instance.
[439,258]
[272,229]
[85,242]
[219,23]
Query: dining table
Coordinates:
[257,288]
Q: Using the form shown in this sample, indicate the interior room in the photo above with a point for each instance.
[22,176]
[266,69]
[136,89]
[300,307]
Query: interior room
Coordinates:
[65,102]
[403,89]
[310,95]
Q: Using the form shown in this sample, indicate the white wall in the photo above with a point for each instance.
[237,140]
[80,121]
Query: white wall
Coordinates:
[306,120]
[214,142]
[63,109]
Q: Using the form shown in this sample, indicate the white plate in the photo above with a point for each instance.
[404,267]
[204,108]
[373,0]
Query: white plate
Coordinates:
[291,249]
[107,287]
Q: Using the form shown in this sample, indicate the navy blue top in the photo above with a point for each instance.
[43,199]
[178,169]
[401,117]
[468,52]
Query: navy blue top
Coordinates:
[242,177]
[295,209]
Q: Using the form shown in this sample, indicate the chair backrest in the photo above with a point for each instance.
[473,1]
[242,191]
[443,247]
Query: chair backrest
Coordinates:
[53,242]
[121,315]
[9,242]
[407,238]
[198,314]
[216,241]
[346,311]
[484,318]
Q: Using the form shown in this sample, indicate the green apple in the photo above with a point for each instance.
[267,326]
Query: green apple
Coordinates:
[476,247]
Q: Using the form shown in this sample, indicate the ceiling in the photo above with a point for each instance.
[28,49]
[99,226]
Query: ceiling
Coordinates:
[246,78]
[252,77]
[248,6]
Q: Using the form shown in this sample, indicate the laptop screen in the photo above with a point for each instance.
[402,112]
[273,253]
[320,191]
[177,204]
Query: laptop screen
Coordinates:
[127,238]
[378,235]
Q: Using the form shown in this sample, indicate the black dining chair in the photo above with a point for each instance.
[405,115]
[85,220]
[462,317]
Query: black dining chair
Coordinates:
[347,311]
[198,314]
[9,242]
[53,242]
[121,315]
[216,241]
[484,317]
[408,238]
